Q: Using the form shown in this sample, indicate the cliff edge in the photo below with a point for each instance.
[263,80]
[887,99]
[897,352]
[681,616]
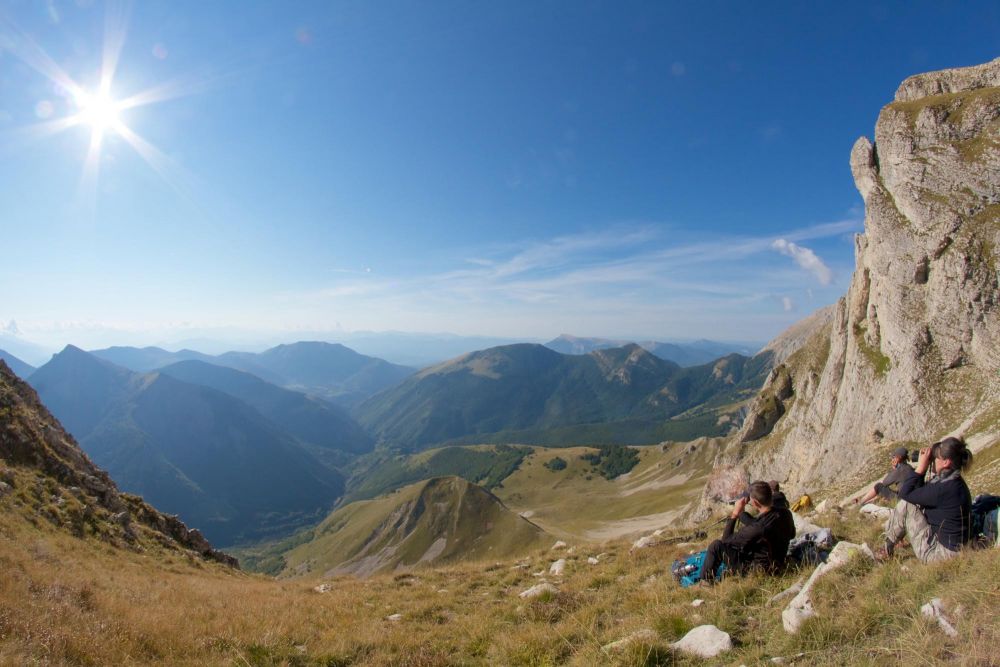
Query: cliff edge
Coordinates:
[912,352]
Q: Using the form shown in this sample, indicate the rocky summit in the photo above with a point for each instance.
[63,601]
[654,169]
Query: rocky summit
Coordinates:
[912,352]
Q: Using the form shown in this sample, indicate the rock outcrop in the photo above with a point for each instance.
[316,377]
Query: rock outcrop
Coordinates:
[48,475]
[912,352]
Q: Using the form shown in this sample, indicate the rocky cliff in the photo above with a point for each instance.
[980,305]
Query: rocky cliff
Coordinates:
[44,475]
[912,352]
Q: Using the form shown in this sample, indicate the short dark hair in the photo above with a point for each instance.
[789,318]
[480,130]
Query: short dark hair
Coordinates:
[955,450]
[761,492]
[775,487]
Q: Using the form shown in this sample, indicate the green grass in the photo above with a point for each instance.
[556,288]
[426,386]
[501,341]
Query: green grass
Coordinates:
[879,362]
[486,466]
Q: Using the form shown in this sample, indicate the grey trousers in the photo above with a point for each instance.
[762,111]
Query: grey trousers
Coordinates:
[907,520]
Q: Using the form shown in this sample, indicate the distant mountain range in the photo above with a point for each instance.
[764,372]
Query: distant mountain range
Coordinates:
[20,368]
[191,449]
[516,393]
[684,354]
[327,370]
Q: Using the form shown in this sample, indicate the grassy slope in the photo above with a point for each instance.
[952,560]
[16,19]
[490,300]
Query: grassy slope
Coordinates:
[69,601]
[580,504]
[440,520]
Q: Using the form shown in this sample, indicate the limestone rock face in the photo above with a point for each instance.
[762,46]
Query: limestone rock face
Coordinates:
[912,352]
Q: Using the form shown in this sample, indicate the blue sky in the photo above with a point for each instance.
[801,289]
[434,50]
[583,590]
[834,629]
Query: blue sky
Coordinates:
[648,170]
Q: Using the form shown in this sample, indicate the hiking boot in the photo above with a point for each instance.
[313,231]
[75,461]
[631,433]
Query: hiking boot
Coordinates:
[885,552]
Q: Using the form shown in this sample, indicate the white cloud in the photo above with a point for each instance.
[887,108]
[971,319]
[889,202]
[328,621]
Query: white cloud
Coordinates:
[806,259]
[787,304]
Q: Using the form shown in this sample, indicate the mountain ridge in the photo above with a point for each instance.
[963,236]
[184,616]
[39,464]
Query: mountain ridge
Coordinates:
[531,387]
[188,448]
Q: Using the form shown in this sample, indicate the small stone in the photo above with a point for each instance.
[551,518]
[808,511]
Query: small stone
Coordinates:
[559,545]
[539,590]
[592,561]
[323,588]
[934,610]
[697,603]
[558,567]
[395,618]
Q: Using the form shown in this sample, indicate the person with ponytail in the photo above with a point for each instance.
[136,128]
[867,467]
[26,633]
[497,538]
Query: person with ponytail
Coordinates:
[935,515]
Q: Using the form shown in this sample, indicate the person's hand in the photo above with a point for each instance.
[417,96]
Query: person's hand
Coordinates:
[924,462]
[739,507]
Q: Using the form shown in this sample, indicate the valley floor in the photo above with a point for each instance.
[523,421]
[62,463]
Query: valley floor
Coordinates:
[65,600]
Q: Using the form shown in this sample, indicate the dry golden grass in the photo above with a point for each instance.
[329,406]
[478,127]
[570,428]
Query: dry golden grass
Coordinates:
[65,600]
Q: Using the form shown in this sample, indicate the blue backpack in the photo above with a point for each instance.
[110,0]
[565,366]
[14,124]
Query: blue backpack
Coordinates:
[687,572]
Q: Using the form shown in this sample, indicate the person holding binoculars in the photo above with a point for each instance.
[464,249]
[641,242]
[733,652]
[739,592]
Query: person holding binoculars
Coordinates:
[935,515]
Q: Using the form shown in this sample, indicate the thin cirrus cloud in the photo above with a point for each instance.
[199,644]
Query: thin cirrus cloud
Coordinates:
[615,273]
[806,259]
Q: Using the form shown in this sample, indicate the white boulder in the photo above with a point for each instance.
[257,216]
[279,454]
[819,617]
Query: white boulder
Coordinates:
[538,590]
[558,567]
[559,545]
[705,641]
[643,542]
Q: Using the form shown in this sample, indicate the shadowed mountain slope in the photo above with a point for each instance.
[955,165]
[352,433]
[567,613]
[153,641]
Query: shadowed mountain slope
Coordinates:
[505,392]
[319,424]
[79,497]
[441,520]
[20,368]
[189,449]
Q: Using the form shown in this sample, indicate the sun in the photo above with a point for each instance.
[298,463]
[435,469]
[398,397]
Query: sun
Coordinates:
[98,110]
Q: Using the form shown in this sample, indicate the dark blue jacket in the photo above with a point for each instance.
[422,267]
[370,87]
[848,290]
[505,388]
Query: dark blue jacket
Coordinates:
[947,504]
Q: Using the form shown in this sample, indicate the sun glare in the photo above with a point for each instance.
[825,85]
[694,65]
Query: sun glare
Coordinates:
[98,110]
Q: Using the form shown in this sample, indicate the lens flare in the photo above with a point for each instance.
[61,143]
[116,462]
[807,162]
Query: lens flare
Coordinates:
[98,111]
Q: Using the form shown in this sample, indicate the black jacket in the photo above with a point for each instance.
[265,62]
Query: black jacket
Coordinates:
[762,541]
[947,504]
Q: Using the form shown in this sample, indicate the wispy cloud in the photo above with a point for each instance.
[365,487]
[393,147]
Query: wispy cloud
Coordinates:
[805,258]
[620,278]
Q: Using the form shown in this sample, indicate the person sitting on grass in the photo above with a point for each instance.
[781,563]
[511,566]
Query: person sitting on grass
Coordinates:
[935,516]
[900,470]
[762,544]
